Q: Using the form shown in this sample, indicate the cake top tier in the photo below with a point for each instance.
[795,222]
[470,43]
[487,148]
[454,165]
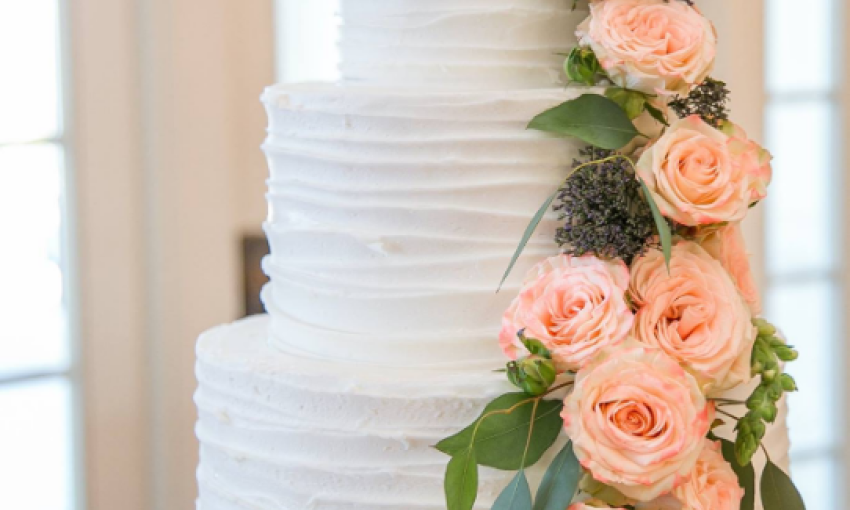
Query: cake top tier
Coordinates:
[452,44]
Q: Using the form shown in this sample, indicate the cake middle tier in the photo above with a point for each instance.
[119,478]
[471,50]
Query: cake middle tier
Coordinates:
[394,214]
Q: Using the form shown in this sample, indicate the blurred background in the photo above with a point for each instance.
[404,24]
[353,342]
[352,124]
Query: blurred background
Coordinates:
[131,177]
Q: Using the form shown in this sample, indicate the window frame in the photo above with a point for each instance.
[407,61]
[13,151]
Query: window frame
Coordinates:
[842,189]
[69,374]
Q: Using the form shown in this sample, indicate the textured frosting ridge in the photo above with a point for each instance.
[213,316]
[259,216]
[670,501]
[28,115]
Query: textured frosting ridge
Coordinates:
[394,215]
[475,44]
[396,200]
[281,431]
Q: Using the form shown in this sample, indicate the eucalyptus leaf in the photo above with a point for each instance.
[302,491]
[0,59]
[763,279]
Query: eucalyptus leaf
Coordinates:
[516,496]
[631,101]
[591,118]
[526,236]
[560,482]
[778,491]
[657,114]
[661,224]
[501,438]
[461,483]
[746,475]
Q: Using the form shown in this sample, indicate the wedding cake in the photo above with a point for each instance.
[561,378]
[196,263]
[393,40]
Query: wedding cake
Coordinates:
[397,198]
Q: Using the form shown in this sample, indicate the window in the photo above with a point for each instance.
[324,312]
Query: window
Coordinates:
[803,223]
[36,388]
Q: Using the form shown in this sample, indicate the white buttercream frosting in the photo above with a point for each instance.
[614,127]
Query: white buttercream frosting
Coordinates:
[396,202]
[474,44]
[395,213]
[281,431]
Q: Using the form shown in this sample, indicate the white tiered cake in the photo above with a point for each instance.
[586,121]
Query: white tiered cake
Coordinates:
[397,198]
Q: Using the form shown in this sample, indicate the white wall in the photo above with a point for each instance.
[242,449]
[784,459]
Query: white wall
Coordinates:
[168,176]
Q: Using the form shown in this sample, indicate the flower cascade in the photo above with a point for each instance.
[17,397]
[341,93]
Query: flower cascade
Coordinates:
[624,345]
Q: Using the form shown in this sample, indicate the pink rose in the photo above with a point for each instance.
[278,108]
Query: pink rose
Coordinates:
[754,159]
[695,314]
[666,502]
[653,46]
[726,244]
[591,505]
[694,176]
[575,305]
[712,485]
[637,421]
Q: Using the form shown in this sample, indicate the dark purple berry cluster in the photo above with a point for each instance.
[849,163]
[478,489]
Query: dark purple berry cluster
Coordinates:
[710,100]
[603,210]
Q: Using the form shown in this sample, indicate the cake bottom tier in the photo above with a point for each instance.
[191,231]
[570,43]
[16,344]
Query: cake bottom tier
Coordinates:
[281,431]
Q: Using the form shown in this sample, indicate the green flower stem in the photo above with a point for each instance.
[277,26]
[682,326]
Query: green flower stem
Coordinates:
[530,432]
[558,387]
[764,449]
[730,415]
[727,402]
[602,161]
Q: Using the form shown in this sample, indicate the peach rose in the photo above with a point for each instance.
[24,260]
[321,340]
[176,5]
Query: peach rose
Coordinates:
[637,421]
[726,244]
[591,505]
[712,485]
[653,46]
[693,175]
[754,159]
[667,502]
[695,314]
[575,305]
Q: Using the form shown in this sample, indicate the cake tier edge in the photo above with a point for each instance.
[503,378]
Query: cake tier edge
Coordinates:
[284,431]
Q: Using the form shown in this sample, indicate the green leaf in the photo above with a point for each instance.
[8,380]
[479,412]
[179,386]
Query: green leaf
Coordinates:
[746,475]
[461,483]
[559,484]
[529,231]
[778,491]
[501,438]
[516,496]
[657,114]
[591,118]
[661,224]
[631,101]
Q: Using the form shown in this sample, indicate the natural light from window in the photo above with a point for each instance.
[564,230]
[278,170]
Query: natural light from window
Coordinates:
[36,394]
[803,225]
